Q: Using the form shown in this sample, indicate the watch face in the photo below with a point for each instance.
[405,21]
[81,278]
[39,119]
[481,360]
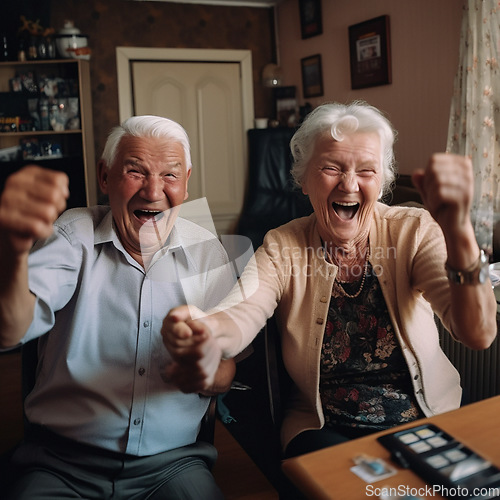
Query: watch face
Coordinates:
[484,269]
[483,274]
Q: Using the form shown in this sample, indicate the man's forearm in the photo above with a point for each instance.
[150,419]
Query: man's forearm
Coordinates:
[16,300]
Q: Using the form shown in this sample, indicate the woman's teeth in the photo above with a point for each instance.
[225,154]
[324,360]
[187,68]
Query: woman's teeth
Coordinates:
[345,210]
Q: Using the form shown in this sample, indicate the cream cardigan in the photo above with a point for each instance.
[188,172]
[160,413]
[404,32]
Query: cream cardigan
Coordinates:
[290,278]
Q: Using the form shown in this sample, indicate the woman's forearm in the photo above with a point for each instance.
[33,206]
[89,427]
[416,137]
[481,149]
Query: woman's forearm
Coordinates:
[223,378]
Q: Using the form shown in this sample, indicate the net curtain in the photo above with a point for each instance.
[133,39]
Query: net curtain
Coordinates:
[474,127]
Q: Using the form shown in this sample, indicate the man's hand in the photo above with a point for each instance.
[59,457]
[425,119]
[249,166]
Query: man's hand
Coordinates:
[196,354]
[31,201]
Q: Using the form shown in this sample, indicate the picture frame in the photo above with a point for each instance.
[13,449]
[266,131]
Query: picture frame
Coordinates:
[370,53]
[312,76]
[311,23]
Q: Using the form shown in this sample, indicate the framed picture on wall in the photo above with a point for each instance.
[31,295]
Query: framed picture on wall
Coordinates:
[312,76]
[310,18]
[370,53]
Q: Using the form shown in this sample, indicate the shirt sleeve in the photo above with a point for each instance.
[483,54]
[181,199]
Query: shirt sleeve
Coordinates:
[54,267]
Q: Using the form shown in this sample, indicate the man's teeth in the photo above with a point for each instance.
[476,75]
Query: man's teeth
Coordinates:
[148,214]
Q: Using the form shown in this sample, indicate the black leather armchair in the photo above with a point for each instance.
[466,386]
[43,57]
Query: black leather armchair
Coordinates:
[271,198]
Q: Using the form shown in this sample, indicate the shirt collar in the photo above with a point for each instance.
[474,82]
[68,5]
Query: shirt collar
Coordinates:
[106,233]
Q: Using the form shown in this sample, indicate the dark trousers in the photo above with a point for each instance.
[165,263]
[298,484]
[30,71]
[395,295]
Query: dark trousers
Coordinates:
[50,467]
[316,439]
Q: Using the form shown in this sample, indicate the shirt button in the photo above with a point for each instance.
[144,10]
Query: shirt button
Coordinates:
[137,421]
[319,321]
[323,299]
[142,371]
[145,324]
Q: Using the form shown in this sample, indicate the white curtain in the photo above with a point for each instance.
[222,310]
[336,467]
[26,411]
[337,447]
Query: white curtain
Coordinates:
[474,128]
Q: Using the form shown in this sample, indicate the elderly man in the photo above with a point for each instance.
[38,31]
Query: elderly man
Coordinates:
[94,286]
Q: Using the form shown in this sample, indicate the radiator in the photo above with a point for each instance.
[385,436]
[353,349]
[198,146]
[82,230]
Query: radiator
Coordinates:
[479,370]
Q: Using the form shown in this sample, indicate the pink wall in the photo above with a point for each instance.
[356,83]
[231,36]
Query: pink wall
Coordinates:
[424,39]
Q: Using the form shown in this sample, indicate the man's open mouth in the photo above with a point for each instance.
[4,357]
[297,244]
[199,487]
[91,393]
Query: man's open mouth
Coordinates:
[148,215]
[345,210]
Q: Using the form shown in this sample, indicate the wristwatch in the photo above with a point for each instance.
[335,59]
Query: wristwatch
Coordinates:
[478,273]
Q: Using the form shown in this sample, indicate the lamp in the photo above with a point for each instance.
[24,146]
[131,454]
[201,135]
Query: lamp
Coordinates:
[272,76]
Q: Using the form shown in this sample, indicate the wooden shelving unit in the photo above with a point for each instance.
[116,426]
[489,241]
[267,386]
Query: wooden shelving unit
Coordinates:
[77,145]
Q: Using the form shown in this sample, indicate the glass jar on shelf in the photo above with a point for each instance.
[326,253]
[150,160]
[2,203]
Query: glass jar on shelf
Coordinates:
[32,52]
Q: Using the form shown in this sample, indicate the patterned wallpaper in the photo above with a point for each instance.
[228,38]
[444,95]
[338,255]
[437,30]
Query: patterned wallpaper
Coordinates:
[112,23]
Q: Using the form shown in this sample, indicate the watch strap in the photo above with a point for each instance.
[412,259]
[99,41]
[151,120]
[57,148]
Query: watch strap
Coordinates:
[473,275]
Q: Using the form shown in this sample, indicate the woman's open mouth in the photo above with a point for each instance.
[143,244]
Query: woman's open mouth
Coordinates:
[345,210]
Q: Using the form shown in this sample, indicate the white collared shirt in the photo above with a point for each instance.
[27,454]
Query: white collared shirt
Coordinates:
[100,378]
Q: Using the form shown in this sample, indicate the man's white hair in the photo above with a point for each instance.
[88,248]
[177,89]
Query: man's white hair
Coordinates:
[146,126]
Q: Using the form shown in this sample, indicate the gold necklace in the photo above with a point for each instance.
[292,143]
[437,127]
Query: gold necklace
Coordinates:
[341,289]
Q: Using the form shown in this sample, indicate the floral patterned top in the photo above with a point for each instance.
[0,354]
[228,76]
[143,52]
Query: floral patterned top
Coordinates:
[364,379]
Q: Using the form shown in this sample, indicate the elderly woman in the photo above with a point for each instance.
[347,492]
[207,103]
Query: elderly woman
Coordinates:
[355,287]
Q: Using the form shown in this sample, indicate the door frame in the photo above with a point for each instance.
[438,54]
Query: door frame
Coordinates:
[126,55]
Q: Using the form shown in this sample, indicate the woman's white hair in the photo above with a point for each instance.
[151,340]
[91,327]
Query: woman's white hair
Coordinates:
[339,120]
[146,126]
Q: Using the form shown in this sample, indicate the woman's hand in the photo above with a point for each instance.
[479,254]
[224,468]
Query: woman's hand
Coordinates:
[196,354]
[447,190]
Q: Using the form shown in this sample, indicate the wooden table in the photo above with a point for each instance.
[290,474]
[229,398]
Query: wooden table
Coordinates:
[326,474]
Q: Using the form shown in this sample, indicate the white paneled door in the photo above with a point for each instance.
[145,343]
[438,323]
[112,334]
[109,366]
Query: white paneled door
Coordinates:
[210,100]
